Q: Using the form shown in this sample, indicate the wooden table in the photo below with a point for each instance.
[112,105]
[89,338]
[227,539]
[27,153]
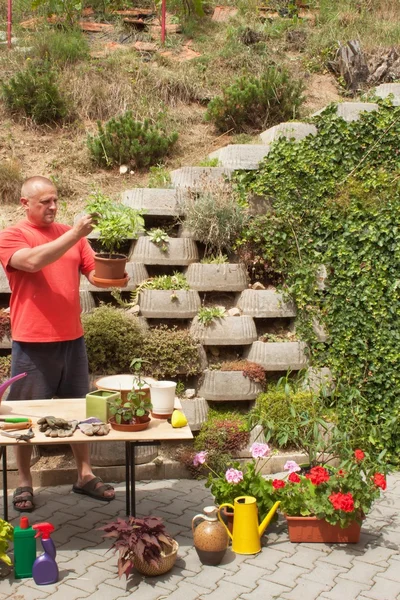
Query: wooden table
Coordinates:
[75,408]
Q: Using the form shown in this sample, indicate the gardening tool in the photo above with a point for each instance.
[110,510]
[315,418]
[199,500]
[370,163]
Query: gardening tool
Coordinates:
[5,385]
[24,437]
[246,536]
[14,424]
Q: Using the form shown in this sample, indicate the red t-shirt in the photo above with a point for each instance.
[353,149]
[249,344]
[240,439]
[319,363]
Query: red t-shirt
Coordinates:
[45,305]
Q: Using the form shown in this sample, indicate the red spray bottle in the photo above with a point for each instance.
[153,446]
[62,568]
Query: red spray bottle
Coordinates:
[45,569]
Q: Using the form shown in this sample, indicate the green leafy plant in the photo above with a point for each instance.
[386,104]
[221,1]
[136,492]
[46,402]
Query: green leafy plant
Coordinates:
[241,481]
[174,282]
[114,221]
[214,259]
[159,237]
[145,539]
[6,535]
[170,351]
[122,140]
[159,177]
[207,314]
[339,495]
[214,217]
[61,47]
[137,404]
[111,335]
[33,92]
[68,11]
[253,103]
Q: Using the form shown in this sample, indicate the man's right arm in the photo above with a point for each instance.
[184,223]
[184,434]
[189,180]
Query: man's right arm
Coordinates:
[34,259]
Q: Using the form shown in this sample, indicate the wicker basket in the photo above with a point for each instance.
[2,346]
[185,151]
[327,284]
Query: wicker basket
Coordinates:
[166,563]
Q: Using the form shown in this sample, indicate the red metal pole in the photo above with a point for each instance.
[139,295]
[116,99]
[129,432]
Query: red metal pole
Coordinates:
[9,21]
[163,19]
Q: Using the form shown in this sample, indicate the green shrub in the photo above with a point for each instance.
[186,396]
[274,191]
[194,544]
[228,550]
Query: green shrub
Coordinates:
[171,352]
[10,182]
[113,338]
[34,93]
[252,103]
[61,47]
[122,140]
[5,368]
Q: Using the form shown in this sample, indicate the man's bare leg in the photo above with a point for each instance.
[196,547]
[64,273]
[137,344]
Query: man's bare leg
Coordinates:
[82,457]
[23,457]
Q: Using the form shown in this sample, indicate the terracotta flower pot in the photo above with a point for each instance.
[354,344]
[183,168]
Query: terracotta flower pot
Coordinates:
[141,424]
[311,529]
[110,271]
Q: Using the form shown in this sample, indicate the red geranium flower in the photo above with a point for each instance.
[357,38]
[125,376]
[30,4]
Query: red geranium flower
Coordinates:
[380,481]
[318,475]
[343,502]
[359,455]
[340,473]
[294,478]
[278,483]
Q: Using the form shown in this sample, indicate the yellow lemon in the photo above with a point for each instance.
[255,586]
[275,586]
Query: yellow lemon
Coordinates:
[178,419]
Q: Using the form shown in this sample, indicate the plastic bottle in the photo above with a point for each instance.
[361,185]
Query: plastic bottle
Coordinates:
[45,569]
[24,549]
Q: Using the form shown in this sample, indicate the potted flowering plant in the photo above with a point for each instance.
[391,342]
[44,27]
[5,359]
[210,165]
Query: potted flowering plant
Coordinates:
[328,504]
[241,480]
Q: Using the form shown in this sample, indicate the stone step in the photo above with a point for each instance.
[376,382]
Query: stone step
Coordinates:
[167,304]
[385,89]
[179,252]
[265,304]
[154,201]
[351,111]
[278,356]
[197,178]
[241,156]
[227,277]
[295,131]
[225,331]
[137,273]
[227,386]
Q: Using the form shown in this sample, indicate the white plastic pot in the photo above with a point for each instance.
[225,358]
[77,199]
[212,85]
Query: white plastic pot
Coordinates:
[162,394]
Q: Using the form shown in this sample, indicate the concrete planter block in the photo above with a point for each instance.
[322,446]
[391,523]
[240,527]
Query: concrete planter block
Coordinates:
[196,178]
[322,276]
[157,304]
[11,460]
[226,386]
[241,156]
[5,343]
[265,304]
[196,411]
[278,356]
[385,89]
[296,130]
[180,252]
[226,331]
[320,331]
[87,301]
[137,273]
[217,278]
[113,453]
[351,111]
[318,378]
[154,201]
[4,287]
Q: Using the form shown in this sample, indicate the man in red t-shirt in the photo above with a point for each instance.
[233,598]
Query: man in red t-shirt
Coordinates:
[43,261]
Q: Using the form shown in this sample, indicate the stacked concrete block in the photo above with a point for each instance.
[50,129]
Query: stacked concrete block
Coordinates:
[265,304]
[241,156]
[177,252]
[225,331]
[217,278]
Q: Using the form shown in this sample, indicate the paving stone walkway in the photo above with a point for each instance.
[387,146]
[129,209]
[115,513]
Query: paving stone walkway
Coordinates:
[369,570]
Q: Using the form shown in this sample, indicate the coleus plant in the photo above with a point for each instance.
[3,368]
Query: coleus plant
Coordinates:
[143,538]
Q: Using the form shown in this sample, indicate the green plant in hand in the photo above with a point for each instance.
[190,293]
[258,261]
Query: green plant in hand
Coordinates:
[114,221]
[207,314]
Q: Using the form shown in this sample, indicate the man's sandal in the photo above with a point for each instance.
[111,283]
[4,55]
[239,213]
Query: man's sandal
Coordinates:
[23,494]
[91,489]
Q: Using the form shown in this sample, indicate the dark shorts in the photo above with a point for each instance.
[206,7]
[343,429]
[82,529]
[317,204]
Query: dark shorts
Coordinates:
[54,369]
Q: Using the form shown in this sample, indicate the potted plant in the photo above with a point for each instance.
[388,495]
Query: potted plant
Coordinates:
[233,380]
[6,535]
[142,543]
[115,223]
[328,504]
[132,413]
[240,480]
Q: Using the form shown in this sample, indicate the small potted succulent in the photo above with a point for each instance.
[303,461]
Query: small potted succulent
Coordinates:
[115,223]
[142,543]
[132,413]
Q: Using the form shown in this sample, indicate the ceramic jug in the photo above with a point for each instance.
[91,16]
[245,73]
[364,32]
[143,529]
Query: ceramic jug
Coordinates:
[210,536]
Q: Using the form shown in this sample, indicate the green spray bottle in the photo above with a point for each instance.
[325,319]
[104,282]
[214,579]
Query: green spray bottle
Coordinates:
[24,549]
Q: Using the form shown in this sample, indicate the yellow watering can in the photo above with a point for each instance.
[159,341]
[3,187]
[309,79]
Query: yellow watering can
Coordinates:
[246,536]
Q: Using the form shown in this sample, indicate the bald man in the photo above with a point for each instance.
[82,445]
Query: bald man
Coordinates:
[43,261]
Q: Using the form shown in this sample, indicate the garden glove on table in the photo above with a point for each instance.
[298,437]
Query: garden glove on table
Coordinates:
[94,428]
[56,427]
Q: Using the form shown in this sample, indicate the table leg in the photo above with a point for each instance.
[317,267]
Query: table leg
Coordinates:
[130,489]
[133,487]
[3,454]
[127,477]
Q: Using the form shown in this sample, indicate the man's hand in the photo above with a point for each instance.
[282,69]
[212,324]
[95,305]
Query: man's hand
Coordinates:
[84,226]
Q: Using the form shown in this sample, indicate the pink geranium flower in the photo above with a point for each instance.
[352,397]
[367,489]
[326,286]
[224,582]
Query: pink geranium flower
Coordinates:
[234,476]
[200,458]
[292,466]
[259,450]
